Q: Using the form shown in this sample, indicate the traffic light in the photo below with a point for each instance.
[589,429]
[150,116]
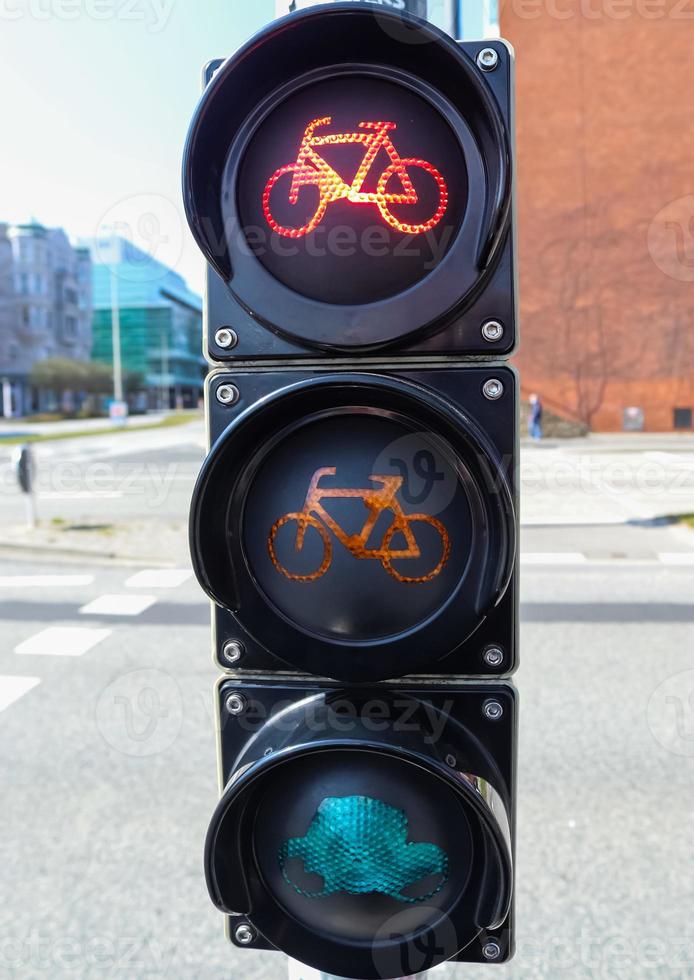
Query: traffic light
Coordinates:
[348,177]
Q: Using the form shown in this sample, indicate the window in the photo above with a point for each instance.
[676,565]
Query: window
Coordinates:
[682,418]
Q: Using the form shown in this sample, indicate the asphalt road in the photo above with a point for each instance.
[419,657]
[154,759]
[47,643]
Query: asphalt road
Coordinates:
[107,751]
[109,778]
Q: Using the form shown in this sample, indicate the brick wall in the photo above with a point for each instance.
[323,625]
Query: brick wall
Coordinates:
[606,204]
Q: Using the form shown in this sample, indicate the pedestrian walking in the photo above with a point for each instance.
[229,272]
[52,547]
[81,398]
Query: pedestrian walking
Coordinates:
[535,421]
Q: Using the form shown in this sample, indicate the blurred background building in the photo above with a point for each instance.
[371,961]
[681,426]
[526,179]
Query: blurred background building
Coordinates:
[605,134]
[160,321]
[45,310]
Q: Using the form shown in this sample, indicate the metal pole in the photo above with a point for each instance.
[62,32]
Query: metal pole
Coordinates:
[6,398]
[115,340]
[165,401]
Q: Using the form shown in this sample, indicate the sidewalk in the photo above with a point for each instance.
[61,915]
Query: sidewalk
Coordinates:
[16,427]
[161,546]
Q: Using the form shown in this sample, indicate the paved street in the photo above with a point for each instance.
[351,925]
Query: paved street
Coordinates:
[107,741]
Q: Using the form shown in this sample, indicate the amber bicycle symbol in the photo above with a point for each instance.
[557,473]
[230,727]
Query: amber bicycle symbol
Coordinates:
[377,499]
[311,170]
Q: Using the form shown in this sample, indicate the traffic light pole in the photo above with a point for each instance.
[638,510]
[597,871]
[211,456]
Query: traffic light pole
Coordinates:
[115,339]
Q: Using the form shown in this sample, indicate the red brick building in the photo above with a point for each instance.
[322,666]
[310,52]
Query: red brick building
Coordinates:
[606,206]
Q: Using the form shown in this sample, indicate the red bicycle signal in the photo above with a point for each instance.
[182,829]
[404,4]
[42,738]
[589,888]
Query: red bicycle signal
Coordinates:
[311,170]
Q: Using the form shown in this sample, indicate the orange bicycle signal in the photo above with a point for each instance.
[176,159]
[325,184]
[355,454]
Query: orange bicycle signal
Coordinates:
[376,500]
[311,170]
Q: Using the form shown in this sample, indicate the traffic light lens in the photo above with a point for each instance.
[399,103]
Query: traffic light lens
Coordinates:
[352,189]
[359,845]
[357,528]
[347,840]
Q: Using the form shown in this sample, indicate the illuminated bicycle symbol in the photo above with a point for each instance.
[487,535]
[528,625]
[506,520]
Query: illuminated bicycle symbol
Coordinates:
[311,170]
[376,501]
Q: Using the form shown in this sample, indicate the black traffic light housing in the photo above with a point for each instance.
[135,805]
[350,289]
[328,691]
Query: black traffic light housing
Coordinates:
[445,753]
[347,613]
[348,176]
[304,297]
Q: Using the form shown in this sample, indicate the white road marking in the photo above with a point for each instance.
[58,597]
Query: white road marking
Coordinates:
[677,557]
[81,495]
[159,578]
[552,558]
[12,689]
[44,581]
[118,605]
[62,641]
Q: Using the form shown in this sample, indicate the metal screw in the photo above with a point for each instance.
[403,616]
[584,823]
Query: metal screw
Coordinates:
[493,389]
[492,710]
[451,761]
[244,935]
[232,651]
[493,656]
[228,394]
[492,331]
[226,337]
[491,950]
[236,704]
[487,59]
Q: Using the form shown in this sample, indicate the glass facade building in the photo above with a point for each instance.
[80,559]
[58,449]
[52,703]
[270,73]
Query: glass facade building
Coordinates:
[160,323]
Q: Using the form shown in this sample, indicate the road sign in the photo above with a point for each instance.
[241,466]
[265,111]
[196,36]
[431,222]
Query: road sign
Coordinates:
[118,411]
[348,177]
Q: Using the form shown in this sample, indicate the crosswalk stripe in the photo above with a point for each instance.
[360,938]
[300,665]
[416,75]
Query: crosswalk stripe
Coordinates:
[62,641]
[12,689]
[118,605]
[159,578]
[44,581]
[677,557]
[552,558]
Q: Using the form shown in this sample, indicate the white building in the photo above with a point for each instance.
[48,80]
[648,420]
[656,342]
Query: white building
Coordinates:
[45,309]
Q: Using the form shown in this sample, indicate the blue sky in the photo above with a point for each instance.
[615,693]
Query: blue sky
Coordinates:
[96,100]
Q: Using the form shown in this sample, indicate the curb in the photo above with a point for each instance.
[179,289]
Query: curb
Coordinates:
[9,549]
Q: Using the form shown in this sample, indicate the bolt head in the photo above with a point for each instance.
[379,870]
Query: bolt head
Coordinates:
[494,656]
[493,389]
[493,710]
[226,338]
[491,950]
[236,704]
[228,394]
[244,935]
[487,59]
[492,331]
[233,651]
[451,761]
